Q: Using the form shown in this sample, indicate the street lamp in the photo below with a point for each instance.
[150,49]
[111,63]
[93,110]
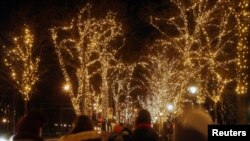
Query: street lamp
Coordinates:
[193,90]
[4,120]
[170,107]
[66,87]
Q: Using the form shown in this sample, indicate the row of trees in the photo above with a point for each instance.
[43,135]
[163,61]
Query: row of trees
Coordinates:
[197,45]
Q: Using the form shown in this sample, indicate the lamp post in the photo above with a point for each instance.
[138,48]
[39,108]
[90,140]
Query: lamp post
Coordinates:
[169,125]
[193,91]
[5,123]
[66,88]
[170,107]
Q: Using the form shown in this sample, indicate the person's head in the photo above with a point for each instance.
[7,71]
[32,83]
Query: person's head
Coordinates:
[31,123]
[82,123]
[143,117]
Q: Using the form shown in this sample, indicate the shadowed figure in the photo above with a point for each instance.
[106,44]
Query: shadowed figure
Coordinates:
[143,128]
[29,127]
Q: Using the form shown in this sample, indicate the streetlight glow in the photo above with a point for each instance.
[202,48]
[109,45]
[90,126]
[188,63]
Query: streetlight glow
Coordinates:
[193,89]
[4,120]
[170,107]
[66,87]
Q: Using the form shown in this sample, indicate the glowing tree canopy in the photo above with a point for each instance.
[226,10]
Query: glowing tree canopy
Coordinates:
[83,45]
[22,64]
[242,48]
[166,83]
[120,83]
[202,34]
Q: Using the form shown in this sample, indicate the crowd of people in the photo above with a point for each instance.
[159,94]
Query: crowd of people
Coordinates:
[192,126]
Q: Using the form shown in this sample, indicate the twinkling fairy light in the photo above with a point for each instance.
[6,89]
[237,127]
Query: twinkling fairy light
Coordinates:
[204,40]
[75,47]
[22,64]
[165,84]
[121,88]
[242,47]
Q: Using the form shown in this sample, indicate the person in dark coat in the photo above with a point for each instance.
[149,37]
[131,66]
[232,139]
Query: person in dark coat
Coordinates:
[29,127]
[143,129]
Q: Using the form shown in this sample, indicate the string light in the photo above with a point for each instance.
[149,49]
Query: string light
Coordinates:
[242,47]
[205,34]
[121,87]
[88,35]
[22,64]
[164,85]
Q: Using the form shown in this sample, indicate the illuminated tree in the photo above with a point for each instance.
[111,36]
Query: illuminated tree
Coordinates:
[242,47]
[121,88]
[202,34]
[23,65]
[165,83]
[83,45]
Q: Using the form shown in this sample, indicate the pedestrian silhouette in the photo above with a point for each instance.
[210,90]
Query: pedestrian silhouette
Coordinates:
[143,130]
[29,127]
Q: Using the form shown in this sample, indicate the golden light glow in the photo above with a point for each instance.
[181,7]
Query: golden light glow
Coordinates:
[242,48]
[66,87]
[22,64]
[205,41]
[165,84]
[4,120]
[85,37]
[120,84]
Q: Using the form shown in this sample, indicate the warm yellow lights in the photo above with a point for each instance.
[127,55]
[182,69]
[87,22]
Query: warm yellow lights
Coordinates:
[120,85]
[93,37]
[205,37]
[4,120]
[66,87]
[22,64]
[204,48]
[165,84]
[242,49]
[216,99]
